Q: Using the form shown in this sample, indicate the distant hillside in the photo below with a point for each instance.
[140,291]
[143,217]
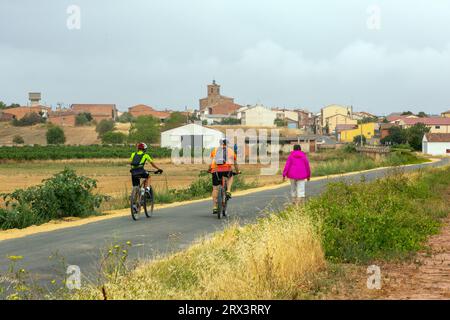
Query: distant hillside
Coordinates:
[36,134]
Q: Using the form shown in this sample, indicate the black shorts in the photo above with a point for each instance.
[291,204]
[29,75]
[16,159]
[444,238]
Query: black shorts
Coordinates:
[137,175]
[217,177]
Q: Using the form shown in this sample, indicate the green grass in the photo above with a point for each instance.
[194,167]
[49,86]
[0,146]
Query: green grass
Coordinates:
[338,162]
[386,219]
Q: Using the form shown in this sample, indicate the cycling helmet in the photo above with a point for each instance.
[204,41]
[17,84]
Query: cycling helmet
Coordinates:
[142,146]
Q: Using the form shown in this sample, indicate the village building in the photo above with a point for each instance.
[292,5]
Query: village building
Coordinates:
[445,114]
[216,107]
[436,124]
[5,117]
[436,144]
[214,97]
[63,118]
[191,136]
[307,121]
[333,115]
[384,129]
[258,116]
[144,110]
[366,129]
[98,112]
[20,112]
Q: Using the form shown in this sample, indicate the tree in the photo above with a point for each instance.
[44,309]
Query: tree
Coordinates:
[126,117]
[230,121]
[114,137]
[280,122]
[407,113]
[422,114]
[29,119]
[368,120]
[83,119]
[357,139]
[12,105]
[415,135]
[104,126]
[175,120]
[18,139]
[144,129]
[396,135]
[55,135]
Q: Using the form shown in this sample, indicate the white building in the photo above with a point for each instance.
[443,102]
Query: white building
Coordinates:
[258,116]
[436,144]
[191,135]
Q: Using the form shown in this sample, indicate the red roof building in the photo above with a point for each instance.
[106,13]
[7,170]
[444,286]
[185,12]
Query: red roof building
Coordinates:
[98,112]
[144,110]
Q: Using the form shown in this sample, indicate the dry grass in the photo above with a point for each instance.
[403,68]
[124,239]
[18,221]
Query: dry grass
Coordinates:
[113,176]
[36,134]
[272,259]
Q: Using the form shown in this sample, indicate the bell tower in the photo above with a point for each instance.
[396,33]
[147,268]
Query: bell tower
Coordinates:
[213,89]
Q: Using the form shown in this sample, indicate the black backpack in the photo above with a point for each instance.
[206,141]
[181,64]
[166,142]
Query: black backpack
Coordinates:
[136,162]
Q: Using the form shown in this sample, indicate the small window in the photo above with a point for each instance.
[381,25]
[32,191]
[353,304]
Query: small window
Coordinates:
[437,127]
[448,150]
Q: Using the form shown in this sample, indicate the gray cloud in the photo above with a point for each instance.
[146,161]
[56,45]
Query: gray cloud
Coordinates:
[283,53]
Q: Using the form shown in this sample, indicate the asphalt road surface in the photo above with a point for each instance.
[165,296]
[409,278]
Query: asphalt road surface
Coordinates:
[169,230]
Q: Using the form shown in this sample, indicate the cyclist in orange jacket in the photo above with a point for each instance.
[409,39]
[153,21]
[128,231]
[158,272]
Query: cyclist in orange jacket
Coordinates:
[223,159]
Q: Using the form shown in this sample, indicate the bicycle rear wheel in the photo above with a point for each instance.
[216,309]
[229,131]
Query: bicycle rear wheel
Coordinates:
[221,201]
[135,205]
[149,202]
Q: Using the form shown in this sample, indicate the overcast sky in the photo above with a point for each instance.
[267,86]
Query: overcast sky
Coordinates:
[279,53]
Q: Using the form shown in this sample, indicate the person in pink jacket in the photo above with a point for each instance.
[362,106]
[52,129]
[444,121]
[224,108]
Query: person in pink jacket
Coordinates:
[297,169]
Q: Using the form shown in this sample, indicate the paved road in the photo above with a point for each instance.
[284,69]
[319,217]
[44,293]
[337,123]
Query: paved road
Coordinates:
[168,230]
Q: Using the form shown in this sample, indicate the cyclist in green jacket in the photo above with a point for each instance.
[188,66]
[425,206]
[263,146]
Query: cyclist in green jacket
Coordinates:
[137,161]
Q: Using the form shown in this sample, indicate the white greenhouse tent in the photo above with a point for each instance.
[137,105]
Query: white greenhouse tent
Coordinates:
[191,135]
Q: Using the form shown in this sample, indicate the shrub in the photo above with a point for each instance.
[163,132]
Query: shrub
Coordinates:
[83,119]
[357,139]
[176,119]
[126,117]
[280,123]
[114,137]
[29,119]
[55,135]
[63,195]
[230,121]
[104,126]
[145,129]
[18,139]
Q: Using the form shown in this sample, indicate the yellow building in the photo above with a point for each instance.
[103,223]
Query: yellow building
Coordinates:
[366,129]
[334,114]
[446,114]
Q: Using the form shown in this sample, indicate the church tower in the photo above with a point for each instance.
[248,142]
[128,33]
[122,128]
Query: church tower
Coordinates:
[213,89]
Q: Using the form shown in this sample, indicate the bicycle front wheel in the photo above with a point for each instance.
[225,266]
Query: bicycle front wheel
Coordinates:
[135,205]
[149,202]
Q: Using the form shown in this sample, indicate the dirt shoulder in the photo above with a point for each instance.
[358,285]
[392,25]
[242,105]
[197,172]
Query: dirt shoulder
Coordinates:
[426,276]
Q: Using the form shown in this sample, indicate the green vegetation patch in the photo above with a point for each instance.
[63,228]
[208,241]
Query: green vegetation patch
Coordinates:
[388,218]
[63,195]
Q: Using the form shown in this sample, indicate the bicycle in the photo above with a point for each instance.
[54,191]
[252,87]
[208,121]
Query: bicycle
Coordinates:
[222,198]
[140,197]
